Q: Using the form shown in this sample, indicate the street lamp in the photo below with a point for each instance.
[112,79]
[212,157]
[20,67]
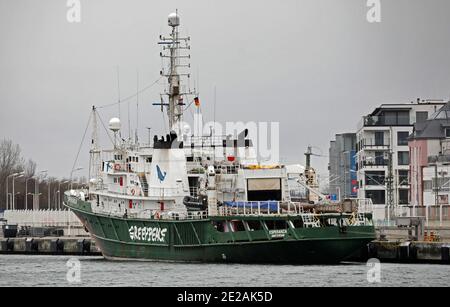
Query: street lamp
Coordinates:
[8,199]
[26,191]
[56,197]
[34,195]
[14,197]
[71,174]
[9,195]
[49,183]
[59,191]
[18,175]
[36,190]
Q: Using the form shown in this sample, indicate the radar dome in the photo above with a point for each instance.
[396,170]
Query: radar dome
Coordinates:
[114,124]
[174,20]
[186,129]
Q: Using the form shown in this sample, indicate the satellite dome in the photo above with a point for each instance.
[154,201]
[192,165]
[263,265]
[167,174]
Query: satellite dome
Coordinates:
[174,20]
[114,124]
[186,129]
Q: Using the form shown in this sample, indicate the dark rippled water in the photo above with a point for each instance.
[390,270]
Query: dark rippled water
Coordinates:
[17,270]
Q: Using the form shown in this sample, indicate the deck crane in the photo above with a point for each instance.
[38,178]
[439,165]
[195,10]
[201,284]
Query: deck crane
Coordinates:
[310,182]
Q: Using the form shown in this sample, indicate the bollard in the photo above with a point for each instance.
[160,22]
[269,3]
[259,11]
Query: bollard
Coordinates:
[31,245]
[86,246]
[445,254]
[59,246]
[412,252]
[372,251]
[10,245]
[4,245]
[403,251]
[83,246]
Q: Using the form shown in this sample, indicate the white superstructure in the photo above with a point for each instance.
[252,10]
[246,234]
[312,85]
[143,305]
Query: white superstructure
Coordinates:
[179,172]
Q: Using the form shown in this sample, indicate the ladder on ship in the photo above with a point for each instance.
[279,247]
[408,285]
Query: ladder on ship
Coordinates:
[144,183]
[286,190]
[310,220]
[360,219]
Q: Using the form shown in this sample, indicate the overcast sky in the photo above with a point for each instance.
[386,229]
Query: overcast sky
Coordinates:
[316,66]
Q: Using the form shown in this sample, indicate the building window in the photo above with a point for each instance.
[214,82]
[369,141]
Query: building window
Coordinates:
[377,196]
[427,185]
[375,178]
[379,158]
[403,158]
[403,196]
[402,177]
[402,138]
[395,118]
[379,138]
[447,132]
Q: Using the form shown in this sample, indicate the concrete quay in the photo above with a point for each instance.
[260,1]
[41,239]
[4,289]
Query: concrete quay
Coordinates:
[406,252]
[76,246]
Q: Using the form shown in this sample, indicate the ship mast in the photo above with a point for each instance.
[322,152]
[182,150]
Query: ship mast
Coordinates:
[172,47]
[94,163]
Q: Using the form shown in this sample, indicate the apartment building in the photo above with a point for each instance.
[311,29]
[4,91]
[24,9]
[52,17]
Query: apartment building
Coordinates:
[382,152]
[429,147]
[342,167]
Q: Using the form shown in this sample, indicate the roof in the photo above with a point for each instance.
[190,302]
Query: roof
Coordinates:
[434,127]
[404,106]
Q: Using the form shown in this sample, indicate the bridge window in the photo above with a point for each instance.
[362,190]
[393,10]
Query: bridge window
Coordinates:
[298,223]
[221,226]
[237,226]
[263,189]
[254,225]
[276,224]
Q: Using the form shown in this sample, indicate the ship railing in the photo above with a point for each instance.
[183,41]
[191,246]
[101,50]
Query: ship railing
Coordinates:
[156,214]
[197,215]
[364,205]
[256,208]
[310,220]
[205,140]
[190,215]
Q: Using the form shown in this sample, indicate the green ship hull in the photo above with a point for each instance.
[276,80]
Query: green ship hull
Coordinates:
[201,241]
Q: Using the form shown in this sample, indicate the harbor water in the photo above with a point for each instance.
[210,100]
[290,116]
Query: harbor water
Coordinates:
[26,270]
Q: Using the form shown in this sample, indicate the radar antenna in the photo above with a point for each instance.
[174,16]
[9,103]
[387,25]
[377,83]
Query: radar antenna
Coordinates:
[174,50]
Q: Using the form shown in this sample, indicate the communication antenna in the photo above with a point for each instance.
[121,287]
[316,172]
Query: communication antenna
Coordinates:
[118,90]
[173,47]
[137,106]
[94,162]
[214,120]
[129,121]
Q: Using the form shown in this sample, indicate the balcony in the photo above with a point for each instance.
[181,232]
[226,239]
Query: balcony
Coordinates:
[385,121]
[374,144]
[375,163]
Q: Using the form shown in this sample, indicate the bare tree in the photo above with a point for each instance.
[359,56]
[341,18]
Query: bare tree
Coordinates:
[10,162]
[30,168]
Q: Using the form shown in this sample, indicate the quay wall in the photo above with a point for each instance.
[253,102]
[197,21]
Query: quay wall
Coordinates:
[49,246]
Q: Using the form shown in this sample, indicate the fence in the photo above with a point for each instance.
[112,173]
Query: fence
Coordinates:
[42,218]
[385,216]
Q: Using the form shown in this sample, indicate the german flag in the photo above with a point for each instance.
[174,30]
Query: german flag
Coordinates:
[197,101]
